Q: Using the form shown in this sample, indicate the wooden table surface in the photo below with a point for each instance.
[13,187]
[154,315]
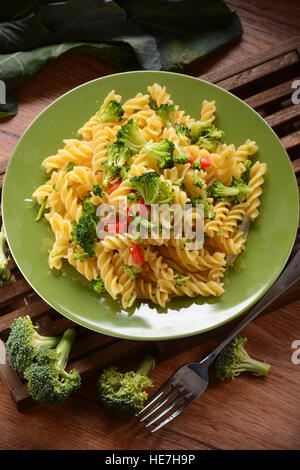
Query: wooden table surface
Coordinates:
[249,412]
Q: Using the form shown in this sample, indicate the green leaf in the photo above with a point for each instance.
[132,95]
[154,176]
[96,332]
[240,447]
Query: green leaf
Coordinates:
[10,107]
[17,66]
[185,30]
[13,9]
[131,34]
[26,33]
[96,21]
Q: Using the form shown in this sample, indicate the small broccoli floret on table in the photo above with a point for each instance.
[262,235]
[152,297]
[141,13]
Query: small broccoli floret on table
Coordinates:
[131,136]
[4,269]
[234,360]
[163,152]
[48,381]
[110,111]
[24,343]
[123,393]
[150,187]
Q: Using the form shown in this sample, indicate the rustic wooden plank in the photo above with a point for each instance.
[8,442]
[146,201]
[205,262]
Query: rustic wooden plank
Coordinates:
[291,140]
[55,328]
[262,70]
[296,165]
[122,351]
[90,343]
[282,116]
[13,289]
[35,311]
[271,94]
[252,61]
[8,142]
[14,385]
[7,374]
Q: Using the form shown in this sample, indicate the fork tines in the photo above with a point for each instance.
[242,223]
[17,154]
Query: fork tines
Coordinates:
[167,405]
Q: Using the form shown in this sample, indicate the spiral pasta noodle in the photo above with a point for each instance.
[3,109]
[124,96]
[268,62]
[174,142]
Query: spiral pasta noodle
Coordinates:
[256,181]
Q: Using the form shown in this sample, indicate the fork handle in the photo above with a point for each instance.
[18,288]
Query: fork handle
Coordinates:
[290,275]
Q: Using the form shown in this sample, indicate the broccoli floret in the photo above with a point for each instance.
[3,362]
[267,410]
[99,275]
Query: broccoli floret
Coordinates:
[131,136]
[88,208]
[163,152]
[80,255]
[219,190]
[117,155]
[131,271]
[197,181]
[153,104]
[24,343]
[182,133]
[207,144]
[214,134]
[84,231]
[42,209]
[123,393]
[234,359]
[197,129]
[181,281]
[206,130]
[98,190]
[70,166]
[196,165]
[238,190]
[243,188]
[167,113]
[97,285]
[124,172]
[48,381]
[246,174]
[4,269]
[84,234]
[138,221]
[181,158]
[209,212]
[110,111]
[152,189]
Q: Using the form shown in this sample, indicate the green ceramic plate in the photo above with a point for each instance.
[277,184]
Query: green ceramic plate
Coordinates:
[269,243]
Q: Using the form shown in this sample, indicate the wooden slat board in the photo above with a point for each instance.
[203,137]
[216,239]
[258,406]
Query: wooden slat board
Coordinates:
[264,82]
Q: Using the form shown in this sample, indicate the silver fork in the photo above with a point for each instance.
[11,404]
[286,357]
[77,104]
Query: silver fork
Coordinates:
[191,380]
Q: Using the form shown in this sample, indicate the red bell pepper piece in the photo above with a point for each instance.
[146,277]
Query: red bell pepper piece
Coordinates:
[115,186]
[137,254]
[205,162]
[192,159]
